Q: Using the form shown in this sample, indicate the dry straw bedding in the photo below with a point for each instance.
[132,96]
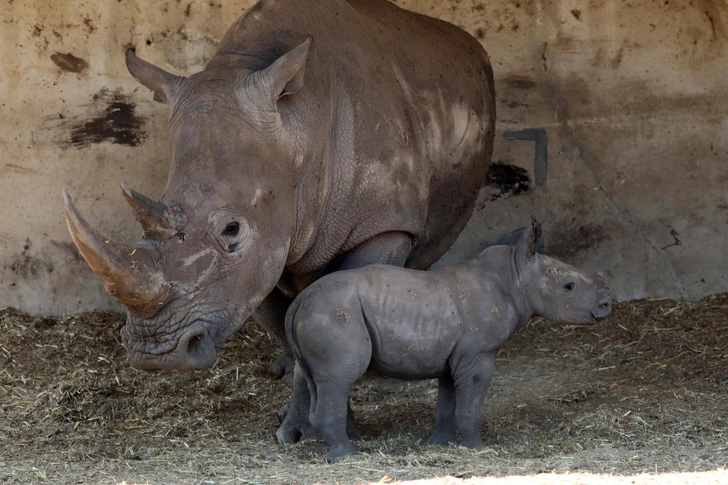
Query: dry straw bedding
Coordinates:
[642,391]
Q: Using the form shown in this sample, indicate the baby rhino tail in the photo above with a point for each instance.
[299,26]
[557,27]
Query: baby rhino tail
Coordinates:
[291,335]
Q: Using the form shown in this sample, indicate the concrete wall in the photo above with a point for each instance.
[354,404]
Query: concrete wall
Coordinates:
[612,131]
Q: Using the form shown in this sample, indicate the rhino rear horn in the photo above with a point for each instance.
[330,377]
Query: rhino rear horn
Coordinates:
[128,272]
[157,219]
[163,84]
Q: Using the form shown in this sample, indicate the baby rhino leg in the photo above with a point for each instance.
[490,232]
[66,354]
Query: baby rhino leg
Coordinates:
[335,346]
[444,413]
[472,380]
[329,419]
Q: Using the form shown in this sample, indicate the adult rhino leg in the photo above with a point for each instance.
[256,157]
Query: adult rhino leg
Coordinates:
[471,385]
[444,413]
[271,315]
[387,248]
[297,423]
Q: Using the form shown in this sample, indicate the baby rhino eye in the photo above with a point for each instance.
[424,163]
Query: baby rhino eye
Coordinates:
[569,287]
[231,229]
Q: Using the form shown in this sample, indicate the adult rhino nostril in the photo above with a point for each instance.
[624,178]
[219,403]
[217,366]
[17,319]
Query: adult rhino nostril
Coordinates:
[193,345]
[200,351]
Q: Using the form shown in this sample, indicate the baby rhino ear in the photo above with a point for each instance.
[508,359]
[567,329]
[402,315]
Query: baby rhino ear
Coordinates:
[527,245]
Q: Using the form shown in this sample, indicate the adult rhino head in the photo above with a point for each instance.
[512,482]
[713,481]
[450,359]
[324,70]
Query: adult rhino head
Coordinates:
[216,242]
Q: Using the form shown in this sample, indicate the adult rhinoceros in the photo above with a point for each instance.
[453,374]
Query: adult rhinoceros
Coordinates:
[323,135]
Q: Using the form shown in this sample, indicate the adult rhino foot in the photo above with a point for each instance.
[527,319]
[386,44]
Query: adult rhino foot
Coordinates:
[283,412]
[339,451]
[292,433]
[282,369]
[440,439]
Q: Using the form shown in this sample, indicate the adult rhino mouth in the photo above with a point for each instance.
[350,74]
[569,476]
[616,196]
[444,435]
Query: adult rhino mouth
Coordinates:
[194,350]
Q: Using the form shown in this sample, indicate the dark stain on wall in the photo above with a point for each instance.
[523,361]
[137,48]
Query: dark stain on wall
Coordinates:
[69,62]
[507,180]
[26,266]
[113,119]
[520,82]
[571,238]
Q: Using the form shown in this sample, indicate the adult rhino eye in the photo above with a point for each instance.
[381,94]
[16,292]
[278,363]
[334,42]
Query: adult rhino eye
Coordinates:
[231,229]
[569,287]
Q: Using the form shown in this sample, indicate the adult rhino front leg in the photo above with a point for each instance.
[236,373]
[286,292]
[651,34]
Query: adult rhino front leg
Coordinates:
[270,315]
[296,421]
[387,248]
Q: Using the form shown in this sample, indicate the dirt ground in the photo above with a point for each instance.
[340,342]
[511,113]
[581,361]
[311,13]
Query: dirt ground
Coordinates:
[641,392]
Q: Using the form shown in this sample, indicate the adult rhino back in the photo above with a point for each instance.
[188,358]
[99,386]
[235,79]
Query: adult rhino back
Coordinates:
[323,135]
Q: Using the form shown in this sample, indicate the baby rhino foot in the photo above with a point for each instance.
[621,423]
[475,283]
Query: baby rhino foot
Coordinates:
[339,451]
[472,443]
[443,439]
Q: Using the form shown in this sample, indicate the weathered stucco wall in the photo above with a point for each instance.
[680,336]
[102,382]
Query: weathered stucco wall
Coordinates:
[612,131]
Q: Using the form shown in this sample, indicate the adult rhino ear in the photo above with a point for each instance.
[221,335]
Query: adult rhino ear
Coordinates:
[282,78]
[162,83]
[526,248]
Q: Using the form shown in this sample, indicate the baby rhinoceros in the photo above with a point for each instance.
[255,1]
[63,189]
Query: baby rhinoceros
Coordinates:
[447,323]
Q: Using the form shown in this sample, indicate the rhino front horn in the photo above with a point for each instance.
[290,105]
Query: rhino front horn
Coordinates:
[128,272]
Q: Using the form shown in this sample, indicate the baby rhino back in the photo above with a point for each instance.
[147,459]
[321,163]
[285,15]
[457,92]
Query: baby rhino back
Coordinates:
[401,323]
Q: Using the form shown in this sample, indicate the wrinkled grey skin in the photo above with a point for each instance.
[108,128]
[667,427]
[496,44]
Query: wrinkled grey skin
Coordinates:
[447,323]
[323,135]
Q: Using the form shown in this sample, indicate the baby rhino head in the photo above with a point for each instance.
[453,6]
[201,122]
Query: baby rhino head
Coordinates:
[557,290]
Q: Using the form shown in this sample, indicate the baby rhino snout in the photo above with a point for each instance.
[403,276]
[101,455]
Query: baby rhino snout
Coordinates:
[603,308]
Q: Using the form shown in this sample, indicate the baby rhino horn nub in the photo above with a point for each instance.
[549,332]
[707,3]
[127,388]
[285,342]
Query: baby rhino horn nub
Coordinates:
[157,220]
[127,271]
